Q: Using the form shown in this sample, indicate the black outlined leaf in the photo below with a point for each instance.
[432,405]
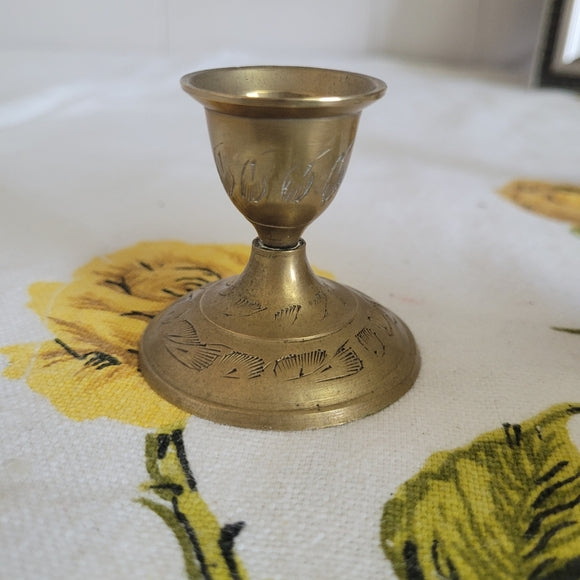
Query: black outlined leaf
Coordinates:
[506,506]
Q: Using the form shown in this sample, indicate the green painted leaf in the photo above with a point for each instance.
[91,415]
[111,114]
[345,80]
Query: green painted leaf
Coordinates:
[506,506]
[208,549]
[570,330]
[168,516]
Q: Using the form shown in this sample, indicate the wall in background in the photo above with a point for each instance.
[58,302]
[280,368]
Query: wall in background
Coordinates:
[498,33]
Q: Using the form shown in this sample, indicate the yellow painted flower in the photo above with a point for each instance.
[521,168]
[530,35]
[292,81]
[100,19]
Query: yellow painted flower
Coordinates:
[555,200]
[90,368]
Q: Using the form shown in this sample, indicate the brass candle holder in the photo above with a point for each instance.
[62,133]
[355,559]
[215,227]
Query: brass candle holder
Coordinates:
[278,347]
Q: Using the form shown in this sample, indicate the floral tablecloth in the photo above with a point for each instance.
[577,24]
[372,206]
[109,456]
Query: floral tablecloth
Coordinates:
[459,212]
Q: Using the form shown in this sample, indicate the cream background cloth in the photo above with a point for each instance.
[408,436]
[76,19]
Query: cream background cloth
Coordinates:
[100,152]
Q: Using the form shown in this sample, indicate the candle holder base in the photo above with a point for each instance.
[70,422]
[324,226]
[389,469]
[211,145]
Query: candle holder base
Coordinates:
[278,347]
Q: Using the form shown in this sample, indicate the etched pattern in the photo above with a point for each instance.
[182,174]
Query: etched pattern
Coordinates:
[388,321]
[183,342]
[288,314]
[239,365]
[240,305]
[253,187]
[253,182]
[321,298]
[297,184]
[336,176]
[296,366]
[343,364]
[318,365]
[226,176]
[369,339]
[243,306]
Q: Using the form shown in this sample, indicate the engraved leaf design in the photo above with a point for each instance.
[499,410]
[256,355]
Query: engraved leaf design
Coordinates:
[183,343]
[299,180]
[243,306]
[321,298]
[318,365]
[289,313]
[370,341]
[336,176]
[253,187]
[389,322]
[344,363]
[295,366]
[226,176]
[240,365]
[506,506]
[297,184]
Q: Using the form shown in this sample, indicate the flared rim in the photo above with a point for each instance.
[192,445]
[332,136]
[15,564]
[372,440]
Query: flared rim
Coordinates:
[283,87]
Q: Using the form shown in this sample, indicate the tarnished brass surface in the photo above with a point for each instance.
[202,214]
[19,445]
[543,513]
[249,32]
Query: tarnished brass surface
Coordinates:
[278,347]
[282,139]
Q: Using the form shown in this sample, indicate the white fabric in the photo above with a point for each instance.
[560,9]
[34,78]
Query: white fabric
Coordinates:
[98,153]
